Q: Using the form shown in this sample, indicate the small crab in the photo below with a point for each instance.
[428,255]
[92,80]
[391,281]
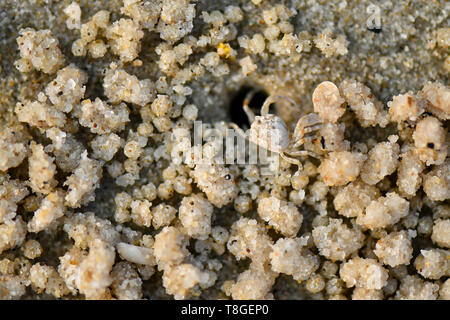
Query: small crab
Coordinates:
[270,131]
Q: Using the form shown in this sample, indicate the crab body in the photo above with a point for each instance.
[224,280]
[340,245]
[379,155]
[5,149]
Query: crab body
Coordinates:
[269,132]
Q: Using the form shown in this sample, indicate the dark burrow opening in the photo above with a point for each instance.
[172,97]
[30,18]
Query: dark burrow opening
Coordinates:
[236,110]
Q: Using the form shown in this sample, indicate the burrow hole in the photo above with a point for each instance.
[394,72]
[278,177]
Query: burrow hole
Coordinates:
[236,110]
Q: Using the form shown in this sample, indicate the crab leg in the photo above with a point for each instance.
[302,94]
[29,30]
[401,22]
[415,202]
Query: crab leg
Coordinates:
[274,98]
[291,160]
[250,114]
[239,130]
[309,120]
[302,153]
[307,124]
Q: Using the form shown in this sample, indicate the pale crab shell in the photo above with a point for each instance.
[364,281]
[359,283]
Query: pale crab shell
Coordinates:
[270,132]
[136,254]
